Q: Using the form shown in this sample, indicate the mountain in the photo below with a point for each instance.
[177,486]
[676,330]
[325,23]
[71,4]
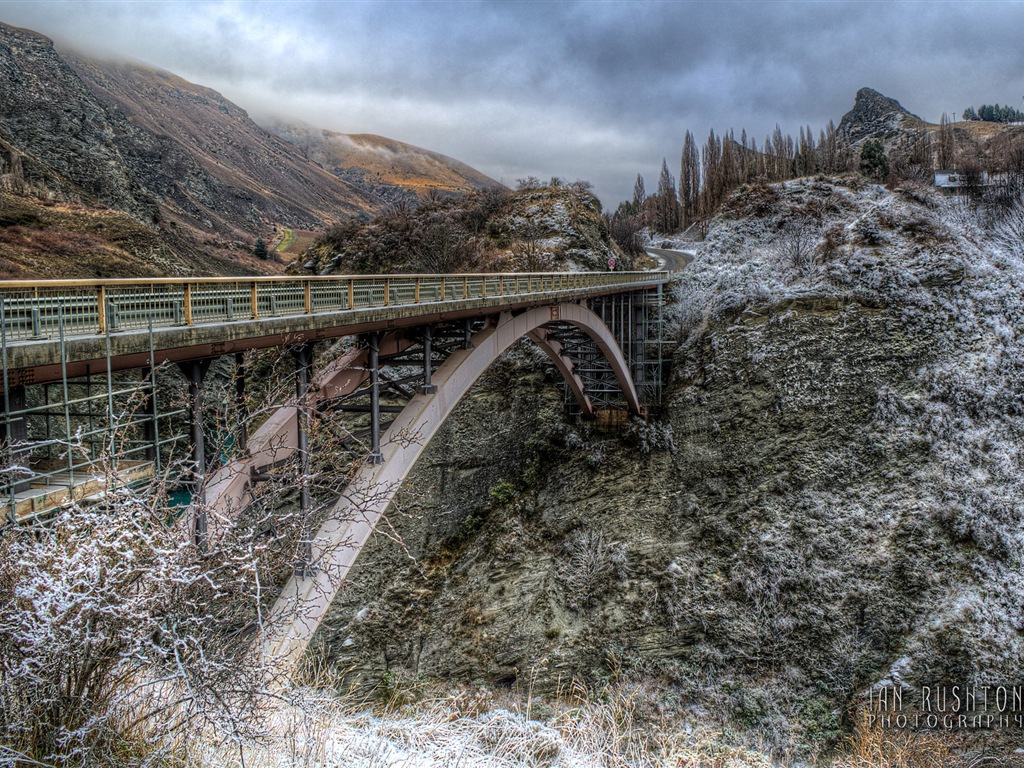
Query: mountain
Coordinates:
[990,146]
[390,169]
[56,136]
[876,116]
[84,141]
[216,164]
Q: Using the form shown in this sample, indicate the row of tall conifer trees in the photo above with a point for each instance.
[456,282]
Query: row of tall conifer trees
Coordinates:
[708,173]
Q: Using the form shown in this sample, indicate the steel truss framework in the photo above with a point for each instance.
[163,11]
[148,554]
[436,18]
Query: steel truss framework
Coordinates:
[59,437]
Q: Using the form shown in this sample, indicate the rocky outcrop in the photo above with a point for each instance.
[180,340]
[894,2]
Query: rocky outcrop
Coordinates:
[876,116]
[540,229]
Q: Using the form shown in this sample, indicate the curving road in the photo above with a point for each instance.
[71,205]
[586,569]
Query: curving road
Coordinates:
[674,261]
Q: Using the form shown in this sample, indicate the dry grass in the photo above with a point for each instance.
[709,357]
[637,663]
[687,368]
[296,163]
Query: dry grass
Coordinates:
[582,728]
[38,240]
[873,745]
[292,243]
[477,728]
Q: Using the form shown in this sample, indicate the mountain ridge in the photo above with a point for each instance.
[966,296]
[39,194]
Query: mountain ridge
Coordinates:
[179,157]
[392,169]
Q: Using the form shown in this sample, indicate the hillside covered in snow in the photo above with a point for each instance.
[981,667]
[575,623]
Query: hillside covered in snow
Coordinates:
[838,509]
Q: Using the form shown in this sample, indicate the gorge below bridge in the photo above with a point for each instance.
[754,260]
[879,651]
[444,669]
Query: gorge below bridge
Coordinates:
[85,409]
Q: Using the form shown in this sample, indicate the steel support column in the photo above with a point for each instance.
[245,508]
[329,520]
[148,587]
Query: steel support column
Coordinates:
[303,363]
[149,430]
[427,388]
[373,363]
[195,372]
[241,411]
[17,433]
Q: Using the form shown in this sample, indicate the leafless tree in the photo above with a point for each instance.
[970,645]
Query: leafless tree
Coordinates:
[797,244]
[119,636]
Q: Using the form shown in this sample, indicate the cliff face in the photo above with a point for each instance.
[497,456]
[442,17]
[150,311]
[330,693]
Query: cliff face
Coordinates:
[65,139]
[841,508]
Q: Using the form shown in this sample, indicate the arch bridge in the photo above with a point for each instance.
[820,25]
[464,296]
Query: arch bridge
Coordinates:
[80,363]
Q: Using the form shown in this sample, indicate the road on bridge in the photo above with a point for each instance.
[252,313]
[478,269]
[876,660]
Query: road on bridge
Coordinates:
[673,261]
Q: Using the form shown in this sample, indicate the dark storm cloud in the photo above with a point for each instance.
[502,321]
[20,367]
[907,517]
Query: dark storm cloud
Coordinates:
[597,90]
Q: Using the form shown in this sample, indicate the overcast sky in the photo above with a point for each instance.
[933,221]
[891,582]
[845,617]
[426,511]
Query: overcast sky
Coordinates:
[590,90]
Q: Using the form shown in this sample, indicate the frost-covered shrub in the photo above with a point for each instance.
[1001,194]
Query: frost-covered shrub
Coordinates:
[590,565]
[797,245]
[116,630]
[650,436]
[869,230]
[1008,233]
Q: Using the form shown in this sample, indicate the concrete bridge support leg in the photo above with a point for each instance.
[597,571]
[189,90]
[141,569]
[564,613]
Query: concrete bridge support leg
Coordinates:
[195,372]
[373,363]
[303,364]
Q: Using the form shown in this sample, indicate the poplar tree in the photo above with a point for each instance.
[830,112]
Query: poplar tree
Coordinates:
[689,181]
[640,197]
[947,143]
[667,204]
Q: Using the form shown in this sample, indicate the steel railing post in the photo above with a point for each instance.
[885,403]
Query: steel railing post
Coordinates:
[101,307]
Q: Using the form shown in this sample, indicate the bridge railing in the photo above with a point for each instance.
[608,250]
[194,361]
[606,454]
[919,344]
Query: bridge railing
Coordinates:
[33,310]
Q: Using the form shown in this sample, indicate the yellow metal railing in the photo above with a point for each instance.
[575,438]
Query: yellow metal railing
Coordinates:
[36,309]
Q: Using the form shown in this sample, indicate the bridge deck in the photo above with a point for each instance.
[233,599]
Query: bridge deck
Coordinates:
[50,325]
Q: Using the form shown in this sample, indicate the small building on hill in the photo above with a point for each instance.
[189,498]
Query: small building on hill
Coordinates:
[958,179]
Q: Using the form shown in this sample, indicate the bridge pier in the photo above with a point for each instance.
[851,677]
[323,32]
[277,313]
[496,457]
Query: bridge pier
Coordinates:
[195,372]
[150,431]
[16,433]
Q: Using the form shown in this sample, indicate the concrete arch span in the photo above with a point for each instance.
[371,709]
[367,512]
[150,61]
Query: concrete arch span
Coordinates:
[305,600]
